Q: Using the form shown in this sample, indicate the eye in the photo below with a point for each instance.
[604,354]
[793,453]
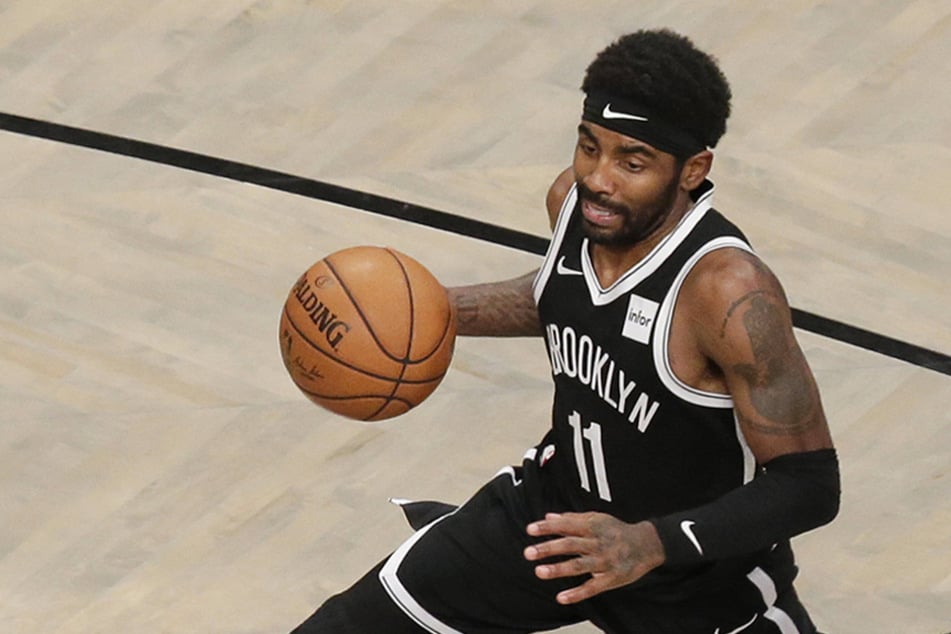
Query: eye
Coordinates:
[587,148]
[631,166]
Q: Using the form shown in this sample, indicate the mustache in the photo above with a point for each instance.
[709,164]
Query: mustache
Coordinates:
[586,195]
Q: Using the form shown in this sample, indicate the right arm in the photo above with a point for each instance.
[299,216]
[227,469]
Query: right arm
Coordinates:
[497,309]
[507,308]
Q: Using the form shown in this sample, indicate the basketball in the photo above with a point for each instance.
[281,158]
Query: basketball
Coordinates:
[367,332]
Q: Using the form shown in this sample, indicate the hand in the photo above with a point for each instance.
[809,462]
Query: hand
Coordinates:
[613,552]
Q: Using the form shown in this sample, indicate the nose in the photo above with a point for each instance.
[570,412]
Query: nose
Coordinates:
[600,179]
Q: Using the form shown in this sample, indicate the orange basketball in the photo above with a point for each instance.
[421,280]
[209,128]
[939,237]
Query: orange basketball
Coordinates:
[367,332]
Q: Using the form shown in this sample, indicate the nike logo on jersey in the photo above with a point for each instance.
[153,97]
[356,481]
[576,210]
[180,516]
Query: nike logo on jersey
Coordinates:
[686,527]
[607,113]
[564,270]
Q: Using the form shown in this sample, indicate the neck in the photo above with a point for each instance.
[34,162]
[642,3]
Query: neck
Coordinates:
[612,261]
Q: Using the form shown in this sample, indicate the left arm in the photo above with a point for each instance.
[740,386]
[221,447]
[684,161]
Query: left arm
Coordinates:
[777,404]
[741,322]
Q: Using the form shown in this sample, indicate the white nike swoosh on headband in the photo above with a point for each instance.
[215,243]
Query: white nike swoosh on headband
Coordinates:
[607,113]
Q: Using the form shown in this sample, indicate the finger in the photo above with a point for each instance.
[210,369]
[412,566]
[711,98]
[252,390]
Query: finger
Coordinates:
[559,524]
[555,547]
[594,586]
[574,567]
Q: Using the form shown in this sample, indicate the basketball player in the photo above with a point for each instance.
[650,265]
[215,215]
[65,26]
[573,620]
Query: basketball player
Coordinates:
[688,443]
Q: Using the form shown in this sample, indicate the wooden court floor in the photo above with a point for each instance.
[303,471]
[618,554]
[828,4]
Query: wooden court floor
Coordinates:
[159,473]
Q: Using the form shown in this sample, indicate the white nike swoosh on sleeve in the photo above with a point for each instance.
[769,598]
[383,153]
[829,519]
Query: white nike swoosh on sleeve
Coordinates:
[686,527]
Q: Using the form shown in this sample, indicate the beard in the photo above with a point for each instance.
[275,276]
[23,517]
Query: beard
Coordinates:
[638,223]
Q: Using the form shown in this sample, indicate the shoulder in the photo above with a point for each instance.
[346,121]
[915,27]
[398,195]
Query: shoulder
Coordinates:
[729,272]
[729,287]
[740,320]
[557,192]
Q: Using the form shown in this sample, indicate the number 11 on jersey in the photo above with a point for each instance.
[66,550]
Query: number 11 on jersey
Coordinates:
[591,433]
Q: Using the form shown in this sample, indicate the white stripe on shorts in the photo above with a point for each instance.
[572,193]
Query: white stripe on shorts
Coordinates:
[401,596]
[768,589]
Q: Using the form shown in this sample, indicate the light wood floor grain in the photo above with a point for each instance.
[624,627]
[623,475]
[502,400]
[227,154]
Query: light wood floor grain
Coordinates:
[158,471]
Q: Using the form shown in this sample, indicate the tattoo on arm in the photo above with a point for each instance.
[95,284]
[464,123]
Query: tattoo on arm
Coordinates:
[780,390]
[734,306]
[499,309]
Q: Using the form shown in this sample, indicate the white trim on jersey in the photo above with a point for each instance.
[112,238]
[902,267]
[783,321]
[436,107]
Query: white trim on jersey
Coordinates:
[767,589]
[662,332]
[401,596]
[558,235]
[749,460]
[638,273]
[651,262]
[635,276]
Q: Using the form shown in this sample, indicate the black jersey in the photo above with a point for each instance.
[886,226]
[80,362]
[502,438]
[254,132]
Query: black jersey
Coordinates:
[628,438]
[631,439]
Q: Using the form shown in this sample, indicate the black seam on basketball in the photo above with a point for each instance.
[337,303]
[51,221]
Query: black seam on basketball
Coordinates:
[354,397]
[356,305]
[409,340]
[316,347]
[386,401]
[442,339]
[412,308]
[363,317]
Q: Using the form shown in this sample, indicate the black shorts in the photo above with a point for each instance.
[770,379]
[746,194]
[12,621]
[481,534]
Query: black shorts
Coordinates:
[465,573]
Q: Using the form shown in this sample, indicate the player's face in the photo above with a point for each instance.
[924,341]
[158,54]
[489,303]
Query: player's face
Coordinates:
[626,188]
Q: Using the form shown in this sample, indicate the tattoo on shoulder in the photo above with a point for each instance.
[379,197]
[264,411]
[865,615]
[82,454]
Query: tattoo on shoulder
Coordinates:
[780,390]
[734,306]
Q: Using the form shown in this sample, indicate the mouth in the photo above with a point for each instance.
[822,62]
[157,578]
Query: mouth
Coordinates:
[597,215]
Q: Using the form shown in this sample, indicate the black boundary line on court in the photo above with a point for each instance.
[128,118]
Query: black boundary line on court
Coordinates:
[434,218]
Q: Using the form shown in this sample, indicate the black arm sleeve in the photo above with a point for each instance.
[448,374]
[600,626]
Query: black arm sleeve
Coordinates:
[792,494]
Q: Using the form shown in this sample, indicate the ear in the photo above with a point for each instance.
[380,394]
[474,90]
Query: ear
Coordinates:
[695,169]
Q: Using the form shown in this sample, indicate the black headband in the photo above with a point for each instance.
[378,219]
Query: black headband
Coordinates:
[635,121]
